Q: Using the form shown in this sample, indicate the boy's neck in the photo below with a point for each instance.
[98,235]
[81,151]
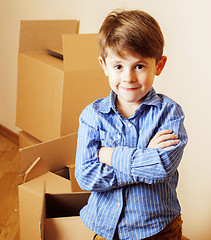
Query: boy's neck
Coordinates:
[127,109]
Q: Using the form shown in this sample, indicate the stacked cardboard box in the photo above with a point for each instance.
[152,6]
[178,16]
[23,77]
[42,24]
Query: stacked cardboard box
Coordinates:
[51,92]
[58,75]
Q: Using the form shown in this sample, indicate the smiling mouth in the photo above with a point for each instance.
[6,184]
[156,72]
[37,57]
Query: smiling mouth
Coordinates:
[130,89]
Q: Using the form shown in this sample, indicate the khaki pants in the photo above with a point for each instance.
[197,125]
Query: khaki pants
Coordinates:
[173,231]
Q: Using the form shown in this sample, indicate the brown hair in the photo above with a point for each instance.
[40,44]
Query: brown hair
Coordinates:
[131,31]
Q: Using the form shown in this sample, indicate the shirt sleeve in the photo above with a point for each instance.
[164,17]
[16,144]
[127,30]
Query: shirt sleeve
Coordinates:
[91,174]
[151,165]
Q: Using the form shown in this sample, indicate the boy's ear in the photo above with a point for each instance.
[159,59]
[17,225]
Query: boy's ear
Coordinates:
[160,65]
[103,65]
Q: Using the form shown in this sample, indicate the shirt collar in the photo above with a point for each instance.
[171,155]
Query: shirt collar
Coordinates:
[152,98]
[109,103]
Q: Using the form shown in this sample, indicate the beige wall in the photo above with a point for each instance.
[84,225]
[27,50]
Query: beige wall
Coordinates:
[186,78]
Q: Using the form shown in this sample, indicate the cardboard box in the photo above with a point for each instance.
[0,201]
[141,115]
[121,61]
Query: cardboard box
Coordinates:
[51,92]
[60,218]
[43,163]
[26,140]
[30,202]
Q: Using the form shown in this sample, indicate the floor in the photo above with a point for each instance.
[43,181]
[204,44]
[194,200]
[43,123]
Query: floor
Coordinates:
[9,219]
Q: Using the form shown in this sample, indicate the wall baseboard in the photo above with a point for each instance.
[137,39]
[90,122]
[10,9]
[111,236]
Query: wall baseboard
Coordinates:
[9,134]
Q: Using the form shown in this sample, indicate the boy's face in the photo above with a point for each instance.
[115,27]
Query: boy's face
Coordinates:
[131,77]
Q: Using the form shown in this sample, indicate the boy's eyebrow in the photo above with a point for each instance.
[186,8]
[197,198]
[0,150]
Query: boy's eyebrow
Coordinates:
[119,61]
[115,61]
[142,61]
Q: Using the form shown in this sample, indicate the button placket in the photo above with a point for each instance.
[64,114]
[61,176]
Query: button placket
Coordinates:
[131,134]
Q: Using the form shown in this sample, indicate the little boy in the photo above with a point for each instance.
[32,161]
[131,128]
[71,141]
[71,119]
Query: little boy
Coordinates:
[130,144]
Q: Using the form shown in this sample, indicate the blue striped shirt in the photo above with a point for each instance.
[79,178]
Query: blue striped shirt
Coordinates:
[137,195]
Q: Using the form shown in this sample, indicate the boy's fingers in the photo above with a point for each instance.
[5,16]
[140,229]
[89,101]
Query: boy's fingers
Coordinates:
[169,143]
[164,139]
[167,137]
[162,132]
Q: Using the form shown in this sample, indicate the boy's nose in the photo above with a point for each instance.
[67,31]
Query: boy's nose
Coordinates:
[129,76]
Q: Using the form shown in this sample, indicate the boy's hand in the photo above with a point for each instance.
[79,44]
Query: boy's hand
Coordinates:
[164,139]
[105,155]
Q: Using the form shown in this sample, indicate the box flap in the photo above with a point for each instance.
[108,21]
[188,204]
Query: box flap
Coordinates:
[81,52]
[39,35]
[54,155]
[71,228]
[54,184]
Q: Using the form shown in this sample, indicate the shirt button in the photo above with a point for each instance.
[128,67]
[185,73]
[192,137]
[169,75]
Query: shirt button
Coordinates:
[129,125]
[118,204]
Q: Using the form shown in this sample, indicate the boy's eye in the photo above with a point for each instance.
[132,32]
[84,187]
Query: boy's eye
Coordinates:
[118,67]
[139,66]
